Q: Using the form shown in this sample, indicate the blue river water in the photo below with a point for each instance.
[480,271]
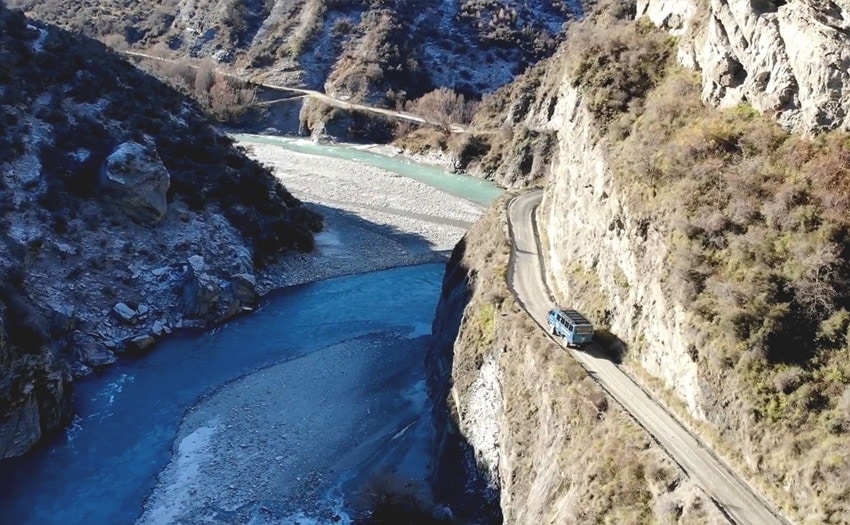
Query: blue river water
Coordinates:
[100,470]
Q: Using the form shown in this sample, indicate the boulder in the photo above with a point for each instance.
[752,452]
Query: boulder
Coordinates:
[136,180]
[143,310]
[87,353]
[124,312]
[200,292]
[141,342]
[244,288]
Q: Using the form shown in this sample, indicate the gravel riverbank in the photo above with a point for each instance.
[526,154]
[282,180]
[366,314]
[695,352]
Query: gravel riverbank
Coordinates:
[276,445]
[374,218]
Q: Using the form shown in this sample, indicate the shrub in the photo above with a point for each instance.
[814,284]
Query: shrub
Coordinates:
[442,108]
[616,65]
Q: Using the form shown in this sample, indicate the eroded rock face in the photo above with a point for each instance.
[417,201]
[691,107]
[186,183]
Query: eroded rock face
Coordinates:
[42,395]
[244,287]
[790,59]
[201,291]
[137,180]
[87,354]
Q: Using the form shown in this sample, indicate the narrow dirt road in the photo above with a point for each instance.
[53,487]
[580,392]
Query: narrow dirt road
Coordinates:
[734,496]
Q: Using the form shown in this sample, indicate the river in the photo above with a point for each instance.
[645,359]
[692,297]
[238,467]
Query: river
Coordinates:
[101,469]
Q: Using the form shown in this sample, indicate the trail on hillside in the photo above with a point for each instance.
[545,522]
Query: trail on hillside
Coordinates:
[317,95]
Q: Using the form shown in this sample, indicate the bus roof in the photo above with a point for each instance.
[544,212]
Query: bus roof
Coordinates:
[574,316]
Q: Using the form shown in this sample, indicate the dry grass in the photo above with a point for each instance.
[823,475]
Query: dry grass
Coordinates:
[567,453]
[757,223]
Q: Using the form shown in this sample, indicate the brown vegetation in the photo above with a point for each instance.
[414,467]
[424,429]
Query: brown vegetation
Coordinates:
[511,26]
[223,97]
[759,235]
[501,144]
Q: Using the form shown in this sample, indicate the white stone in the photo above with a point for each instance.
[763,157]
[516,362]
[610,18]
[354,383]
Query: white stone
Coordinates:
[197,263]
[125,312]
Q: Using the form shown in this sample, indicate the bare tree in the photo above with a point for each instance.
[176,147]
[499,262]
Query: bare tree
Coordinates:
[443,107]
[204,79]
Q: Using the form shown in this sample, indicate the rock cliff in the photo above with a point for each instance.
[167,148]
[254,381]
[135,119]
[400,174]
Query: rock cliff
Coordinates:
[123,216]
[670,223]
[706,242]
[790,59]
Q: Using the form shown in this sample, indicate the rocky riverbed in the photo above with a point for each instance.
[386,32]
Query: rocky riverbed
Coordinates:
[277,444]
[374,219]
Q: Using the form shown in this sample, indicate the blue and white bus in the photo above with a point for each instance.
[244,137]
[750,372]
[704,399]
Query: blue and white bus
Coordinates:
[573,327]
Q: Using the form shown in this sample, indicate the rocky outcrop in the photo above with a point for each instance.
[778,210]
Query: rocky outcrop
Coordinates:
[201,290]
[94,238]
[88,354]
[789,59]
[206,296]
[243,286]
[136,180]
[41,390]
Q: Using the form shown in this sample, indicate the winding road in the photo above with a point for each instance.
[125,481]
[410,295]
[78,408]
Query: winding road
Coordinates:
[735,498]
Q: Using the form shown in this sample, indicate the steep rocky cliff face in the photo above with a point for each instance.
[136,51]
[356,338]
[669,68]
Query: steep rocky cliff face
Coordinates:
[682,229]
[544,434]
[603,247]
[125,216]
[790,59]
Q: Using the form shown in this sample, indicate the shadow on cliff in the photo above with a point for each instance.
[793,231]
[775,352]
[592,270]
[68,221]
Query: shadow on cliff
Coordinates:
[457,480]
[607,346]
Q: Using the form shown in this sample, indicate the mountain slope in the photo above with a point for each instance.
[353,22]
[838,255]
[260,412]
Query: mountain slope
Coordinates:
[362,48]
[703,230]
[708,244]
[125,215]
